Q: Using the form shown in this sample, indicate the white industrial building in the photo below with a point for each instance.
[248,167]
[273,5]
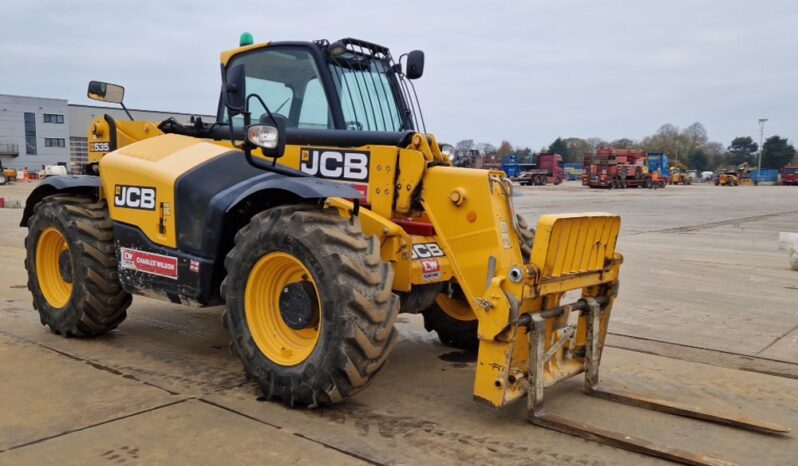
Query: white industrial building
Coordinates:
[36,131]
[33,132]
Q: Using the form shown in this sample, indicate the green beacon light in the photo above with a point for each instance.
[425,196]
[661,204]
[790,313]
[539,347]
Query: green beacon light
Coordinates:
[246,39]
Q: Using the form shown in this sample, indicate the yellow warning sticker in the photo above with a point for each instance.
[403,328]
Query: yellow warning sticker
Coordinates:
[505,231]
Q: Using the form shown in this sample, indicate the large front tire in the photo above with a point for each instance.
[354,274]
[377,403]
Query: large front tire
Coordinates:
[72,267]
[324,342]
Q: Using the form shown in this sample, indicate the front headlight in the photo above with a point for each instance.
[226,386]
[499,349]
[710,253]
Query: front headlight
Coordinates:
[264,136]
[447,150]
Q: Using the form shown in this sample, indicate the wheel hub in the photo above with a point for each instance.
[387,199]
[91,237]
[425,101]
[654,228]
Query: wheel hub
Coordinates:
[283,308]
[54,271]
[298,305]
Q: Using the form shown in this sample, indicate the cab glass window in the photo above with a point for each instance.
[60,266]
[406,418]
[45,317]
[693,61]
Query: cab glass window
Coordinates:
[368,100]
[287,80]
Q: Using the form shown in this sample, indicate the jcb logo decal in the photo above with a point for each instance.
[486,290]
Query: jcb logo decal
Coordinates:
[427,250]
[335,165]
[134,197]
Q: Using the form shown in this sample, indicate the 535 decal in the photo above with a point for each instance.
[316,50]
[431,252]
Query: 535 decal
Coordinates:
[101,147]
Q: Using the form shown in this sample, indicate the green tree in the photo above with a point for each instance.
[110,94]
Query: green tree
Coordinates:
[741,150]
[577,149]
[486,148]
[524,155]
[670,140]
[559,147]
[698,159]
[777,152]
[596,143]
[696,134]
[714,151]
[623,143]
[695,138]
[463,148]
[505,148]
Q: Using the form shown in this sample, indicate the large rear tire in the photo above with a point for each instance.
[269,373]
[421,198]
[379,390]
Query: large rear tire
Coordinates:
[309,305]
[454,322]
[72,267]
[451,317]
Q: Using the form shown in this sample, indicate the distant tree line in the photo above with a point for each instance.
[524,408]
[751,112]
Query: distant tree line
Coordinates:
[688,148]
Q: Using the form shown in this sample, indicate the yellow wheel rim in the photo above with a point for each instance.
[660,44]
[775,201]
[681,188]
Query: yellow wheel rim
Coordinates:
[276,340]
[49,251]
[455,308]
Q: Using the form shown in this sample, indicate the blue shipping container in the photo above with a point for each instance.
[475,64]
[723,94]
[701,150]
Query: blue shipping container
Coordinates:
[510,165]
[658,162]
[767,175]
[573,171]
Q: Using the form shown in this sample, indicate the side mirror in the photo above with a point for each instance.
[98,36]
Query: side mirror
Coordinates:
[414,67]
[106,92]
[235,89]
[448,150]
[269,135]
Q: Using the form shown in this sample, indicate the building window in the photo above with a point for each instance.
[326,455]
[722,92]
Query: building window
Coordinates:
[54,142]
[78,153]
[54,118]
[30,133]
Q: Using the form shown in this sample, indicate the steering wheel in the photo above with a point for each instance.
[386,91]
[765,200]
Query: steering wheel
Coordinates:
[354,124]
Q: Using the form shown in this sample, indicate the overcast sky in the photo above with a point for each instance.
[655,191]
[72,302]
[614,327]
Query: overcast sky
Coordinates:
[526,71]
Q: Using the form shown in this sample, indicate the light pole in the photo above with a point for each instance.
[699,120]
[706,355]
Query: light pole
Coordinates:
[761,141]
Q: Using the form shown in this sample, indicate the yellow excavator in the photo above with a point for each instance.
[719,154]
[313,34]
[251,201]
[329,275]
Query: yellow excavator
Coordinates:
[315,208]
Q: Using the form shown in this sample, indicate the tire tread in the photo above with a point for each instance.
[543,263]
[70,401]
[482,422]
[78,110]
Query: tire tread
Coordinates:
[367,308]
[99,303]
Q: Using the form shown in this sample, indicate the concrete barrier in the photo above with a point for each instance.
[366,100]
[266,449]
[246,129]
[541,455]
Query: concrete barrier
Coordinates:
[789,242]
[10,203]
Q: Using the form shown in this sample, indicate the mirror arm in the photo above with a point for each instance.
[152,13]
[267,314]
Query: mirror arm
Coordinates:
[246,116]
[126,111]
[271,167]
[399,63]
[245,145]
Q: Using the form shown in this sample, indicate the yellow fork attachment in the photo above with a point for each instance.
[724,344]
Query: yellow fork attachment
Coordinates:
[526,340]
[553,343]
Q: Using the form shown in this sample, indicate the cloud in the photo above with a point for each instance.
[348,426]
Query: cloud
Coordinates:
[526,71]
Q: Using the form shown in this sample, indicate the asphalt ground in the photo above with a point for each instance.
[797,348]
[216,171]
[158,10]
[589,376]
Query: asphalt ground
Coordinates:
[707,314]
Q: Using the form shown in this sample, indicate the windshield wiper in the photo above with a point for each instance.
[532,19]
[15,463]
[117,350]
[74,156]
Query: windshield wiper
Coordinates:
[282,105]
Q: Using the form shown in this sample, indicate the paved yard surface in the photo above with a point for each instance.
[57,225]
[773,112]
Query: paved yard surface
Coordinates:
[708,314]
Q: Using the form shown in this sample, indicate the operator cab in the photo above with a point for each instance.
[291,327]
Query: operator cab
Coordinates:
[349,84]
[346,93]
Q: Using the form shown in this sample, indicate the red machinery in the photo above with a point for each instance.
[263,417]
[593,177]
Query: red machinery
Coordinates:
[547,168]
[789,175]
[620,168]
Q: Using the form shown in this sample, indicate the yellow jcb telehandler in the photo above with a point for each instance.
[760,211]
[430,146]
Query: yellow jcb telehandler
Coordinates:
[315,208]
[679,176]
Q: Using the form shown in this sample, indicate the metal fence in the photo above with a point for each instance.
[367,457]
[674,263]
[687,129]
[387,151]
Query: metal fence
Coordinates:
[767,176]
